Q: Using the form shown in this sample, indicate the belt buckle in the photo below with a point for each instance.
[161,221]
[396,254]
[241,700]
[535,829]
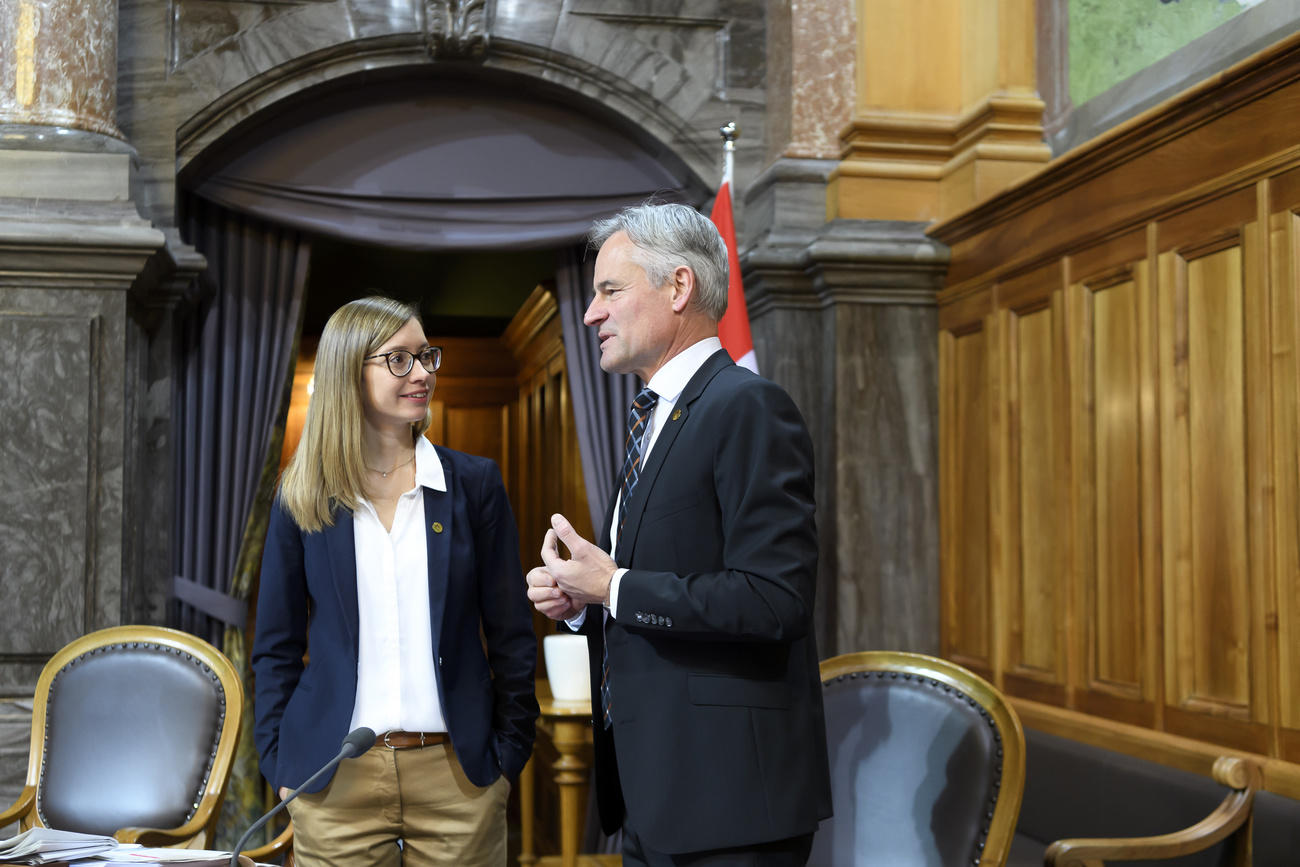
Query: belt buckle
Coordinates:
[393,746]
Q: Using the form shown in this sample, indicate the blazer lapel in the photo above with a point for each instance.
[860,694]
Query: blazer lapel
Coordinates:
[340,541]
[672,426]
[437,533]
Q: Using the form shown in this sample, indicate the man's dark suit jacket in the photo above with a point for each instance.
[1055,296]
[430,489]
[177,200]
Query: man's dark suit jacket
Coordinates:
[716,700]
[308,598]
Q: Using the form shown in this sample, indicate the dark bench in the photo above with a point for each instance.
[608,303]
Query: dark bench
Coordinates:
[1075,790]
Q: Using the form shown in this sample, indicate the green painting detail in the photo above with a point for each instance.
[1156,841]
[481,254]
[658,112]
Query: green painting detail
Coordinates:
[1112,39]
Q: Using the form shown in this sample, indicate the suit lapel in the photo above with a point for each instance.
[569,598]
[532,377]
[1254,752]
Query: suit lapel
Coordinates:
[672,426]
[340,541]
[437,533]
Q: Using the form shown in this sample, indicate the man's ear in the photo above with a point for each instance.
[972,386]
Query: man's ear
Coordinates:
[683,285]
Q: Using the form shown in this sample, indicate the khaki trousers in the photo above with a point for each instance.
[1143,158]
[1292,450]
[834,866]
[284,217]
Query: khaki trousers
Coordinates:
[419,796]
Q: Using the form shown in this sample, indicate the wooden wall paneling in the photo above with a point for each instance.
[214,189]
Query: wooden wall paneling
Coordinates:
[436,432]
[477,430]
[1260,480]
[1037,561]
[1284,238]
[966,591]
[553,467]
[1178,234]
[1211,599]
[1115,679]
[1116,452]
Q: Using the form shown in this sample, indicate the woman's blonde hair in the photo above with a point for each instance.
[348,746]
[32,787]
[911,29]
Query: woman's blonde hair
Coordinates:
[327,470]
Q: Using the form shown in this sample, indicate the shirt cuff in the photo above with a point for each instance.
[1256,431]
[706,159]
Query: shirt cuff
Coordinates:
[576,623]
[613,591]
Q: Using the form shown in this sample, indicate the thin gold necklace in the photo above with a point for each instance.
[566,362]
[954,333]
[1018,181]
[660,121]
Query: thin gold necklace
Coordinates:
[392,469]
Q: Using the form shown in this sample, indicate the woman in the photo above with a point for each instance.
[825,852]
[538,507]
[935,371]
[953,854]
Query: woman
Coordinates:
[385,557]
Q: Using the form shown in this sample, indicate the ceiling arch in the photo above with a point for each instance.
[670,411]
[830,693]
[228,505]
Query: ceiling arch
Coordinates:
[439,158]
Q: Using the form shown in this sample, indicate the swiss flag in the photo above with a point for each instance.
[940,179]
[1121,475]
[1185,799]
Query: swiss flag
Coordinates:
[733,330]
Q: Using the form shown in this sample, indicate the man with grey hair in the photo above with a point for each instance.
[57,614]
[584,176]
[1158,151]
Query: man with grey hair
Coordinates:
[709,734]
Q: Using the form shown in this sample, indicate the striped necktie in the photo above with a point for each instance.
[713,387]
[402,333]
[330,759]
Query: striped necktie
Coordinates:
[638,426]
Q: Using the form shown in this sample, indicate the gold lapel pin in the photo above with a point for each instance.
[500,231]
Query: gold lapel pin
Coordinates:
[437,527]
[677,413]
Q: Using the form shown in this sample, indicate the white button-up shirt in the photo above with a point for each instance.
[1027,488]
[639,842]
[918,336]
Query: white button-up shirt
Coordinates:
[397,678]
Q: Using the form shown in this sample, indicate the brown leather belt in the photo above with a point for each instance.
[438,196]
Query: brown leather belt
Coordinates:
[411,740]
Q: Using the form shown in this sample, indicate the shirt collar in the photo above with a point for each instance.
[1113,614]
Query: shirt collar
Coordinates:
[428,466]
[670,379]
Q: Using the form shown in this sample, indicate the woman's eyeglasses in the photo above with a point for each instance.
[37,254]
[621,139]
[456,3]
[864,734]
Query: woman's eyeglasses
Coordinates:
[400,361]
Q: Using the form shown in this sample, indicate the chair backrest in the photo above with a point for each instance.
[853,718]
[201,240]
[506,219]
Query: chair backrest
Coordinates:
[927,763]
[133,726]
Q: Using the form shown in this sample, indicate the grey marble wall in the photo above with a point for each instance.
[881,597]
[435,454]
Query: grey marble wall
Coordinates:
[67,433]
[844,317]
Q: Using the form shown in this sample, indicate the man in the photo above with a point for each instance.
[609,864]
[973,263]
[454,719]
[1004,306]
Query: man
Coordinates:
[709,736]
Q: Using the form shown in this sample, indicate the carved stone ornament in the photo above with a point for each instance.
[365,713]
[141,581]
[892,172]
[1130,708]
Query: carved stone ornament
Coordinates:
[457,29]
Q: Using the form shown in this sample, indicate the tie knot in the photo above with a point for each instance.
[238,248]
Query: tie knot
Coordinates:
[644,401]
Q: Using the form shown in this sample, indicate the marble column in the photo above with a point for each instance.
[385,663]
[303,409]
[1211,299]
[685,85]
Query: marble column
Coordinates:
[861,292]
[84,283]
[844,316]
[58,66]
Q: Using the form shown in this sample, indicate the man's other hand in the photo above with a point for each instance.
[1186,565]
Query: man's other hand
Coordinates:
[584,577]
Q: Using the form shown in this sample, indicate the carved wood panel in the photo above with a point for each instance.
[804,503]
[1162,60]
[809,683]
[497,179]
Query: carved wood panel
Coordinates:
[1178,238]
[967,593]
[1037,570]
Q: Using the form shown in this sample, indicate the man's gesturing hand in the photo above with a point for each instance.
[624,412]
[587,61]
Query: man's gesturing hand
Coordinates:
[547,597]
[584,577]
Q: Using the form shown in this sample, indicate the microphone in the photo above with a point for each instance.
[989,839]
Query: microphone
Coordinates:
[356,743]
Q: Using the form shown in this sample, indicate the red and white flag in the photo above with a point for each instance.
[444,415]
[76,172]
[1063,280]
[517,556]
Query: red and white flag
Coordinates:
[733,330]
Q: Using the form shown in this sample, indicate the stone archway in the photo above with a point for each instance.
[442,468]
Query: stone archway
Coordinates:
[225,70]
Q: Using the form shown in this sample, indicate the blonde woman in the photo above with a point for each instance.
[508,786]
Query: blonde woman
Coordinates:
[386,557]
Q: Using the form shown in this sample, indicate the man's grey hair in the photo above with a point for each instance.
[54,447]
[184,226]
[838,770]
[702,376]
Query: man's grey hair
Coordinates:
[667,237]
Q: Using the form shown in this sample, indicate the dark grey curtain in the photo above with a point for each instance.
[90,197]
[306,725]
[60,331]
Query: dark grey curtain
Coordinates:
[600,399]
[441,163]
[236,355]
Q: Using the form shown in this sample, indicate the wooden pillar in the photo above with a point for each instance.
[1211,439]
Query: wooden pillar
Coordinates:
[946,113]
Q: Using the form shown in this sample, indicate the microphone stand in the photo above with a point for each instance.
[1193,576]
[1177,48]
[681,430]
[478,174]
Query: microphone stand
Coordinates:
[356,743]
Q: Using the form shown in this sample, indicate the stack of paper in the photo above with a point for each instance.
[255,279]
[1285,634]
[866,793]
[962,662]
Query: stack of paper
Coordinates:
[45,846]
[187,857]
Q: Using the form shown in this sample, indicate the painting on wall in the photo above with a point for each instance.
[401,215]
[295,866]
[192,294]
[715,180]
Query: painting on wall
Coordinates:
[1113,39]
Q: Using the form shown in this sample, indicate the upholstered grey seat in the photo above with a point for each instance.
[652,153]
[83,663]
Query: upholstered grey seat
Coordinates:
[133,733]
[927,764]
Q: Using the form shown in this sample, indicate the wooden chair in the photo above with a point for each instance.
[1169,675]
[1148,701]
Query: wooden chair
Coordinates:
[133,733]
[1230,820]
[927,763]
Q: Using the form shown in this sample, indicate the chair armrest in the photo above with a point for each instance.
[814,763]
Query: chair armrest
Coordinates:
[1232,813]
[163,837]
[277,847]
[20,807]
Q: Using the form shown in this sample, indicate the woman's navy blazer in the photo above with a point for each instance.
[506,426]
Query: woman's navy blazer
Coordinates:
[308,601]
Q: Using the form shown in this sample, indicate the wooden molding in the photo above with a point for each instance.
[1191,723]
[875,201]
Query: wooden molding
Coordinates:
[538,309]
[926,145]
[909,165]
[1222,95]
